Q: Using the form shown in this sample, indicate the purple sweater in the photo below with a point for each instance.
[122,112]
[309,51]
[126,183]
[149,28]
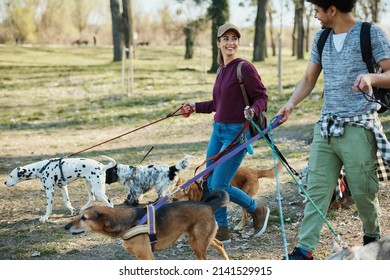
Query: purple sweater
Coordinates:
[228,102]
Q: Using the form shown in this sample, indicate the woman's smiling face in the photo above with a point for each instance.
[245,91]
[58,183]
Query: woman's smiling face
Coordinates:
[228,43]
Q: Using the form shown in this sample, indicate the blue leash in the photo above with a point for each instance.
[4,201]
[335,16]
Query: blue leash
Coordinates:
[274,153]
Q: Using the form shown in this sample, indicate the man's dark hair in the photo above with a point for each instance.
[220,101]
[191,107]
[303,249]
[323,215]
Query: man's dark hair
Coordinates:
[344,6]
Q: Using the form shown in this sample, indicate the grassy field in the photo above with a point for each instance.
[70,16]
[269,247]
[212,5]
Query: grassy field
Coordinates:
[56,101]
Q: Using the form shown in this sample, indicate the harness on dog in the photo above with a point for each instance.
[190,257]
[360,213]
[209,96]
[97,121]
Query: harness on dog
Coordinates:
[149,228]
[59,165]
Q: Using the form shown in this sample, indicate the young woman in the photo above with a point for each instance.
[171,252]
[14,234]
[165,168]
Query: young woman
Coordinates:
[230,116]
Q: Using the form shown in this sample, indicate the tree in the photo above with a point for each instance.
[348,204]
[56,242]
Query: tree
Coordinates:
[127,22]
[116,29]
[298,31]
[370,9]
[81,11]
[21,23]
[219,14]
[191,30]
[259,46]
[122,31]
[271,28]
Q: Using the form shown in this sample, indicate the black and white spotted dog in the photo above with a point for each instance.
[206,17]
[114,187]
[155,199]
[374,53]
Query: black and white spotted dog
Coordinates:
[140,179]
[341,189]
[60,172]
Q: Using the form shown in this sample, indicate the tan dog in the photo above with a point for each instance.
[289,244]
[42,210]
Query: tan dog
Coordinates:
[246,179]
[377,250]
[172,220]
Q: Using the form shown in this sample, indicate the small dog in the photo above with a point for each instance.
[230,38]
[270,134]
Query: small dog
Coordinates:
[377,250]
[341,195]
[62,171]
[246,179]
[140,179]
[172,220]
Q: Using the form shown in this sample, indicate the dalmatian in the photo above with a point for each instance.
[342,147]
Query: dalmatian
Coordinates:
[140,179]
[62,171]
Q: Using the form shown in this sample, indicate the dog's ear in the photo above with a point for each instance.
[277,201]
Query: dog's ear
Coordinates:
[106,220]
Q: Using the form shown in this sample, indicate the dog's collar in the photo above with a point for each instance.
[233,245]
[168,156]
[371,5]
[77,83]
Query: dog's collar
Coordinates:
[59,166]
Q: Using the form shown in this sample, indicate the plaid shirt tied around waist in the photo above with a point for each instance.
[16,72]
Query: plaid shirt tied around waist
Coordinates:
[333,126]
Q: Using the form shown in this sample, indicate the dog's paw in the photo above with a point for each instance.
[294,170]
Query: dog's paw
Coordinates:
[238,228]
[131,203]
[43,219]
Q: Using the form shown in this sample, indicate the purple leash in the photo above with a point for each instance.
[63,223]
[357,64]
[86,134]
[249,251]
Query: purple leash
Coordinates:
[272,125]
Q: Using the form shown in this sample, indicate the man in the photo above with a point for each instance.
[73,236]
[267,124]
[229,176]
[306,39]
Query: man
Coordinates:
[348,122]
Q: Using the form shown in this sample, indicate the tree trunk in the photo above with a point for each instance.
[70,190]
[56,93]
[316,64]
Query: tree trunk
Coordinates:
[219,13]
[189,34]
[116,29]
[301,30]
[271,27]
[259,44]
[307,35]
[127,23]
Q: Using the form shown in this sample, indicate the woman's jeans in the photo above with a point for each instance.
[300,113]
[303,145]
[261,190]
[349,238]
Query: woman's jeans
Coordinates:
[222,135]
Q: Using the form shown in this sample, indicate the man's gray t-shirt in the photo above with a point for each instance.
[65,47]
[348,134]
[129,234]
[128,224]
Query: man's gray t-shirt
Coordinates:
[340,70]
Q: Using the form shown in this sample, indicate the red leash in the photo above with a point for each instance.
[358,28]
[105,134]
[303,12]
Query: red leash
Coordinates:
[174,114]
[217,156]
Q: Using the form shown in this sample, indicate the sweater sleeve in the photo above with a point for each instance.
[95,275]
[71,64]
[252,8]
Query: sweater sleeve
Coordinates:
[205,107]
[257,93]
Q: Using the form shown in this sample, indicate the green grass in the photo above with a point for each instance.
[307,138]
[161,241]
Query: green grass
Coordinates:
[65,89]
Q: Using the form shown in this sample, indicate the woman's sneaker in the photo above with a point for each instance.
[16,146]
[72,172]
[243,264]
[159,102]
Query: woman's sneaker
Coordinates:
[223,234]
[260,220]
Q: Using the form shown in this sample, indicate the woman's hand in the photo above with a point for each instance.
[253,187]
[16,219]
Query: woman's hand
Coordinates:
[187,109]
[249,112]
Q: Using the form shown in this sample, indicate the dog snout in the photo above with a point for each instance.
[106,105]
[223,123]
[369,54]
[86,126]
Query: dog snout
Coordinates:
[8,184]
[67,226]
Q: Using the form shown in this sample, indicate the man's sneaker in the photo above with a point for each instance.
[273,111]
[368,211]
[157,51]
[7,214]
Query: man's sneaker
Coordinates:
[223,234]
[368,239]
[260,220]
[299,254]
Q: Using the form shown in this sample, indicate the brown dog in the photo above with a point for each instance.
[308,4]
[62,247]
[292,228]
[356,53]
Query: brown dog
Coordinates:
[172,220]
[246,179]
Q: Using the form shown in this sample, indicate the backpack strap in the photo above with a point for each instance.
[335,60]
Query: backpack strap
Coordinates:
[322,40]
[242,86]
[365,46]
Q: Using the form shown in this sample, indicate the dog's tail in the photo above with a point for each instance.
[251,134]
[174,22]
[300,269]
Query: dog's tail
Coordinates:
[216,199]
[112,162]
[268,173]
[181,165]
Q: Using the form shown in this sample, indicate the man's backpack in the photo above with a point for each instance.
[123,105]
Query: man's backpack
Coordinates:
[381,95]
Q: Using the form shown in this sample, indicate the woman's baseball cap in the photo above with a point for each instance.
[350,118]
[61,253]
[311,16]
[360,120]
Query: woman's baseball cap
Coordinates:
[228,26]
